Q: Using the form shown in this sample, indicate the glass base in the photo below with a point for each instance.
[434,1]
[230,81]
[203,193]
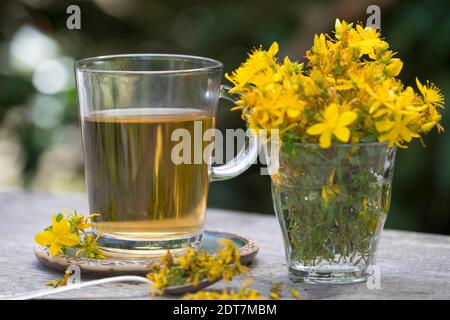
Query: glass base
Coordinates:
[148,248]
[327,274]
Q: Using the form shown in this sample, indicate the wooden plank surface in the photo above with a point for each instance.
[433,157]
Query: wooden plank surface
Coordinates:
[412,265]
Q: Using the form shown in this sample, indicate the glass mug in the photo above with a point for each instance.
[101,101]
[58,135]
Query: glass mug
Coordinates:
[129,107]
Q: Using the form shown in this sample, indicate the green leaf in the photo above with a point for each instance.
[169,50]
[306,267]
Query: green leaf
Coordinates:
[73,224]
[370,138]
[59,216]
[354,160]
[176,276]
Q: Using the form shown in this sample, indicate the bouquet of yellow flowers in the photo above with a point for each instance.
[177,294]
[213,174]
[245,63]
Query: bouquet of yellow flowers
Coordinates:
[348,93]
[339,119]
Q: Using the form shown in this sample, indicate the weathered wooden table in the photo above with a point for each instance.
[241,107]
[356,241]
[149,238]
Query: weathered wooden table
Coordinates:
[412,265]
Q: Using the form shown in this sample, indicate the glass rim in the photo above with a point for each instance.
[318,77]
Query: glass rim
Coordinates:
[86,65]
[347,145]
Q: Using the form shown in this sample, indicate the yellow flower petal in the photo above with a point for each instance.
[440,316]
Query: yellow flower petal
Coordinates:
[420,86]
[70,240]
[383,126]
[44,238]
[395,67]
[61,227]
[55,248]
[346,118]
[273,50]
[380,113]
[374,107]
[287,62]
[325,140]
[428,126]
[337,24]
[331,113]
[342,133]
[293,113]
[295,294]
[316,129]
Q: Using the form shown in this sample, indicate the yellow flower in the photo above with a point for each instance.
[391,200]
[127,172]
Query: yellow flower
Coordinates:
[291,104]
[80,222]
[193,266]
[334,123]
[341,29]
[159,281]
[257,62]
[383,95]
[431,94]
[244,293]
[295,294]
[351,75]
[319,53]
[395,131]
[60,282]
[329,192]
[394,67]
[58,236]
[185,260]
[366,40]
[432,120]
[90,248]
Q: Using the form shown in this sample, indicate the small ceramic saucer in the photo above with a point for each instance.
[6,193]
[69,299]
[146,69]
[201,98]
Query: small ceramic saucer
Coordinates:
[112,266]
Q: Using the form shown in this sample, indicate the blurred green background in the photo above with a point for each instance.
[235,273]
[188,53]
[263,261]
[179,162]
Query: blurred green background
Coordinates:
[40,145]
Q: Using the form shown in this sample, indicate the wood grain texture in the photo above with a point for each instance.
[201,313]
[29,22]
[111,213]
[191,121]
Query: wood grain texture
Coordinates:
[412,265]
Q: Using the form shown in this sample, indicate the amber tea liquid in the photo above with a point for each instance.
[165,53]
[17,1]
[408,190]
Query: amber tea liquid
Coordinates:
[141,194]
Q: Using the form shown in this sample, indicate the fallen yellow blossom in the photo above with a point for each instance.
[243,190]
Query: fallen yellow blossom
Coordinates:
[195,265]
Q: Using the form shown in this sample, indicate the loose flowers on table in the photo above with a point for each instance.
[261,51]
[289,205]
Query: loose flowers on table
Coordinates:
[195,265]
[69,232]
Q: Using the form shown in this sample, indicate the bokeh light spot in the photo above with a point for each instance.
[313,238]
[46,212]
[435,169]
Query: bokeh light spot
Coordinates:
[29,47]
[46,111]
[53,75]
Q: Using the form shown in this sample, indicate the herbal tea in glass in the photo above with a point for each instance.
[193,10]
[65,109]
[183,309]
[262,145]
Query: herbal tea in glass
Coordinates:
[130,106]
[141,193]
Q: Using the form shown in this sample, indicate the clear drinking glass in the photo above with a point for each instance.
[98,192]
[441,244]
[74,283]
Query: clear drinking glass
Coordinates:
[332,205]
[131,106]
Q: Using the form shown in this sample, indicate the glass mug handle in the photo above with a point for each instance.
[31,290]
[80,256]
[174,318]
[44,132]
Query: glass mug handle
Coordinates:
[246,156]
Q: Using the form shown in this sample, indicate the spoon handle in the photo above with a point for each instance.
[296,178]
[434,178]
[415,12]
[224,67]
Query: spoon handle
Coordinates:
[74,286]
